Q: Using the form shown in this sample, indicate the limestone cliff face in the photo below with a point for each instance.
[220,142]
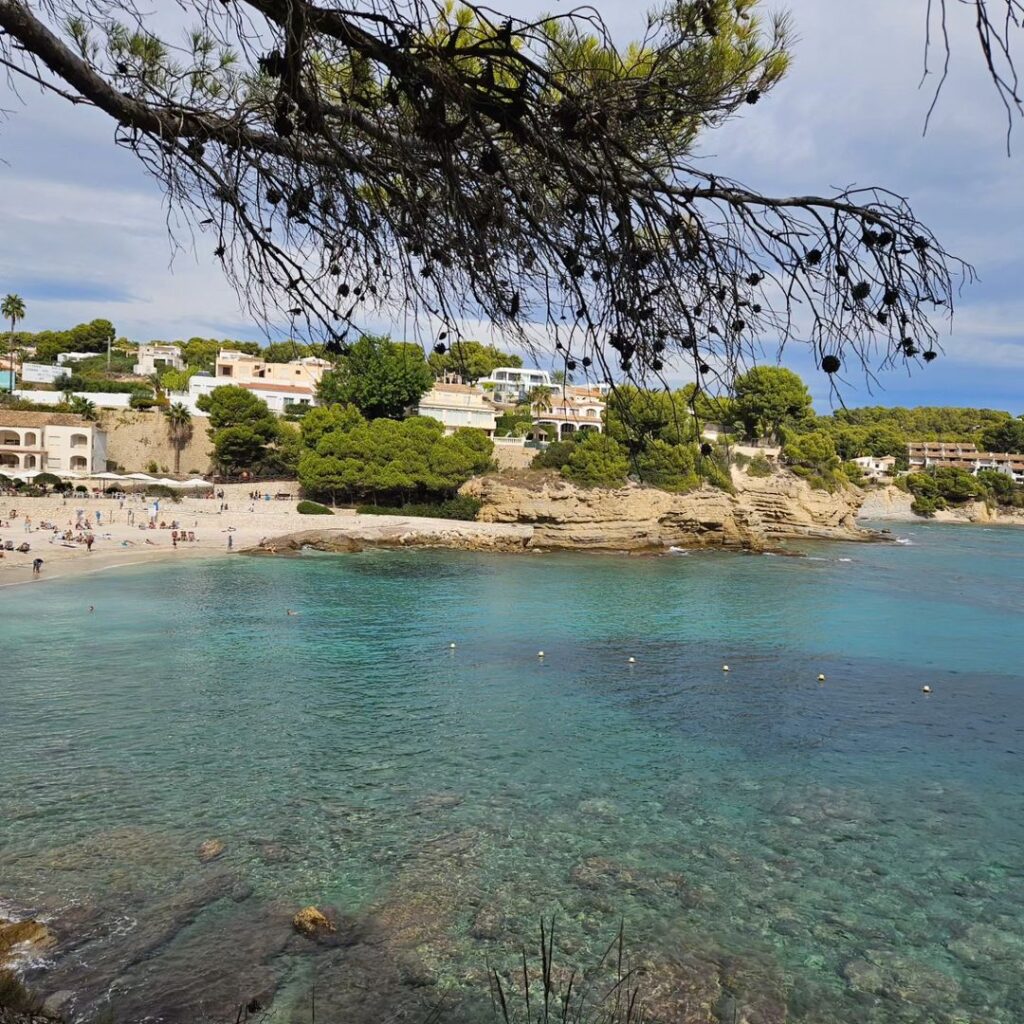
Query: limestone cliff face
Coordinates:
[892,503]
[762,512]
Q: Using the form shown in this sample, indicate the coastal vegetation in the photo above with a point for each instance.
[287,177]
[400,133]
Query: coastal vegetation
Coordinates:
[471,360]
[346,456]
[312,508]
[379,377]
[246,435]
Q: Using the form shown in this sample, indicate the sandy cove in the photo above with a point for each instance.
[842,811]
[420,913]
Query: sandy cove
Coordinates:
[119,544]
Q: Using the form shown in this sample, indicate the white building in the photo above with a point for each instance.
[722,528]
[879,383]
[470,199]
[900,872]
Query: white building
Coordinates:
[277,396]
[44,442]
[459,405]
[577,408]
[41,373]
[157,356]
[63,358]
[876,468]
[511,384]
[278,384]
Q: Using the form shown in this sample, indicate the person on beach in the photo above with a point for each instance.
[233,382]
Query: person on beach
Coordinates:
[37,565]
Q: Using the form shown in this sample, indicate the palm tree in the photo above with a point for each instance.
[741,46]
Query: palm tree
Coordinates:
[179,427]
[12,308]
[81,406]
[540,399]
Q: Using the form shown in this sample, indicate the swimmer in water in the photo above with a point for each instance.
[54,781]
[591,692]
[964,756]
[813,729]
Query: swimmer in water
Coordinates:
[290,612]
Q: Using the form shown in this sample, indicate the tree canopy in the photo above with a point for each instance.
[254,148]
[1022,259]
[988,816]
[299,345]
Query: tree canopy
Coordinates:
[380,377]
[470,359]
[382,459]
[457,164]
[765,398]
[242,429]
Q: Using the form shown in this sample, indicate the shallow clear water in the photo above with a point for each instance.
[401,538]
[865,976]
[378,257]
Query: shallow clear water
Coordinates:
[777,849]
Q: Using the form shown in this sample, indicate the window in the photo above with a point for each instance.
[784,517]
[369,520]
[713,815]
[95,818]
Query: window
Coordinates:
[30,439]
[224,371]
[79,441]
[79,462]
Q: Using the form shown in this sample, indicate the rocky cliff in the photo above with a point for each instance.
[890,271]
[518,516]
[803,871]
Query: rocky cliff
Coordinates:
[890,503]
[762,512]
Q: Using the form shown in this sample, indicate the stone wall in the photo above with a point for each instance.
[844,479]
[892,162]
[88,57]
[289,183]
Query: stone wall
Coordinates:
[136,438]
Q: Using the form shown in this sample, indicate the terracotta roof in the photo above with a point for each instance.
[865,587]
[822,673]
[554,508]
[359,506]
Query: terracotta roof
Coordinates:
[13,418]
[462,389]
[290,388]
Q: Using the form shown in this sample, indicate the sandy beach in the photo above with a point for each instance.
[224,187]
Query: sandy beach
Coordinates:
[122,537]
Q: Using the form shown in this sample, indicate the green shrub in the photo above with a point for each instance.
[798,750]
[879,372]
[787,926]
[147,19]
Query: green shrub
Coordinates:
[81,489]
[555,456]
[759,466]
[47,480]
[927,507]
[597,461]
[312,508]
[162,491]
[462,507]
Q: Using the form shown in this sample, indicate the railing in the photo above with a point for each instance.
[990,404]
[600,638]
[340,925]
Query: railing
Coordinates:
[510,442]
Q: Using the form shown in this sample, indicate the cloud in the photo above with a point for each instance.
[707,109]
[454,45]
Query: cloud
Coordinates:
[85,230]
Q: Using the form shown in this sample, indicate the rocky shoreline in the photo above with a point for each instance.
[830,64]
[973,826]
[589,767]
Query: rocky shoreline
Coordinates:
[892,504]
[535,512]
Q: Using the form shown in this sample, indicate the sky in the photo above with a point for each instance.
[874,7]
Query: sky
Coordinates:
[84,232]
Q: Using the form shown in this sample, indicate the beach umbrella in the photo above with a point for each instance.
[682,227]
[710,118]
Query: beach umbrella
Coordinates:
[166,481]
[141,476]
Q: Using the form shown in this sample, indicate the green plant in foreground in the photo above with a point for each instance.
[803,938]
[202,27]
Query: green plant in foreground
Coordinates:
[607,993]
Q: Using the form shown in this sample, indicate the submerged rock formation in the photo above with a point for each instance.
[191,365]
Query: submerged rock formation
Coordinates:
[761,512]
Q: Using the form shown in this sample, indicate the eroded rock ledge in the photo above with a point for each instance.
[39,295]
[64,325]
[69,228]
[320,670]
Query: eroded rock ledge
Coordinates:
[762,512]
[544,511]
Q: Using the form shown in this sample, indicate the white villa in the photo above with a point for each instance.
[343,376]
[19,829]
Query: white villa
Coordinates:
[459,405]
[576,408]
[157,356]
[278,384]
[875,469]
[511,384]
[42,442]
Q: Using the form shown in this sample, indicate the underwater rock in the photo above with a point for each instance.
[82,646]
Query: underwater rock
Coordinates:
[599,872]
[208,972]
[489,923]
[597,807]
[436,802]
[896,976]
[313,923]
[983,942]
[209,850]
[680,990]
[58,1003]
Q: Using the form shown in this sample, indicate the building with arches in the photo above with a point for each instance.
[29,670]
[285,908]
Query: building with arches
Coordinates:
[44,442]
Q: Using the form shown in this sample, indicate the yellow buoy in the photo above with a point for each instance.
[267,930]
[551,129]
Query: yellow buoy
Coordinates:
[926,689]
[821,677]
[725,668]
[540,654]
[451,647]
[632,661]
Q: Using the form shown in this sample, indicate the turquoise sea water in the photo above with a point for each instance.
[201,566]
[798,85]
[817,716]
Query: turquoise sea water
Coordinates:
[776,849]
